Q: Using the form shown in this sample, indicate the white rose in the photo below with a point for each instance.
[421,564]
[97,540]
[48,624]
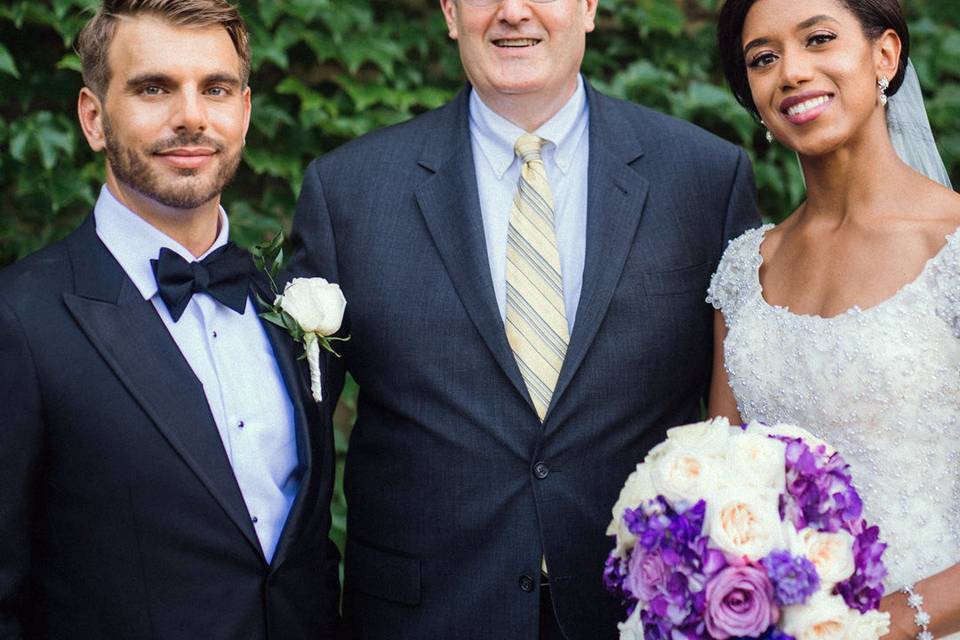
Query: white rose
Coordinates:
[869,626]
[827,617]
[744,521]
[758,461]
[316,305]
[707,437]
[637,489]
[632,627]
[830,553]
[683,475]
[790,431]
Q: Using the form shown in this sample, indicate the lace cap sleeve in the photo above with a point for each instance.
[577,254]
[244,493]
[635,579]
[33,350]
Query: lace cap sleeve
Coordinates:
[736,275]
[946,278]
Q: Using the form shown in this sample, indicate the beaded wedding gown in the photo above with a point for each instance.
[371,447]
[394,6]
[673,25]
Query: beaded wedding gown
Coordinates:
[882,385]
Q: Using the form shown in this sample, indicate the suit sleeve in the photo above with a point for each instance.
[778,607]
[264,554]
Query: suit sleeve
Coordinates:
[315,254]
[742,212]
[21,430]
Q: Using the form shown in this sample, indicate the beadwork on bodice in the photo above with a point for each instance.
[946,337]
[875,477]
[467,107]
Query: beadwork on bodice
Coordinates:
[882,385]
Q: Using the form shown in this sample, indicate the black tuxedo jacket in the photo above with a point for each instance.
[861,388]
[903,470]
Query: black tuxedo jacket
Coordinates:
[454,487]
[120,516]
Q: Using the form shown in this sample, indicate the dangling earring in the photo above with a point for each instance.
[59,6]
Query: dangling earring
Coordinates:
[884,84]
[769,135]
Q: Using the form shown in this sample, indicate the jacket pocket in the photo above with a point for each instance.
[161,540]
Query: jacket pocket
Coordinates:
[682,280]
[389,575]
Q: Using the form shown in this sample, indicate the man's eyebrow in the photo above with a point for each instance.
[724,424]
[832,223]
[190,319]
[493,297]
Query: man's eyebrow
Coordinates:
[163,79]
[806,24]
[222,78]
[148,78]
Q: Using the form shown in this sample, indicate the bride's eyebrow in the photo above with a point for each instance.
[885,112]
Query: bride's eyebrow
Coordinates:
[806,24]
[809,22]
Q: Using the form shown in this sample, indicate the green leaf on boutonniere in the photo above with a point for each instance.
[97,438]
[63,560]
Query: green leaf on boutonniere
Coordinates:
[274,318]
[292,326]
[277,262]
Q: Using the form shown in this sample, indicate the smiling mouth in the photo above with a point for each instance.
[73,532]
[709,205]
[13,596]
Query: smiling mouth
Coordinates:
[516,43]
[803,107]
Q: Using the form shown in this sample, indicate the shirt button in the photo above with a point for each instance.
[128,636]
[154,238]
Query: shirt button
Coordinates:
[214,334]
[240,425]
[253,519]
[526,583]
[541,470]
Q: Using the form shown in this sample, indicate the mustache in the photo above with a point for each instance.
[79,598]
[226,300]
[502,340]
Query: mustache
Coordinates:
[184,140]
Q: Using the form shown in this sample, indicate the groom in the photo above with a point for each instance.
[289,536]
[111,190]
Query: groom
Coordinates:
[527,318]
[164,471]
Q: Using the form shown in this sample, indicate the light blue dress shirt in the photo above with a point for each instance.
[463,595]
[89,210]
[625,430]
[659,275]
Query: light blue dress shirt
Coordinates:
[566,158]
[233,359]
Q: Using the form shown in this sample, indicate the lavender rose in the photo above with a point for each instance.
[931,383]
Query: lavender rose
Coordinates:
[740,603]
[647,572]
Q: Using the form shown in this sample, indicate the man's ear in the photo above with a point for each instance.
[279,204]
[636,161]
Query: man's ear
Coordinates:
[450,10]
[90,112]
[590,15]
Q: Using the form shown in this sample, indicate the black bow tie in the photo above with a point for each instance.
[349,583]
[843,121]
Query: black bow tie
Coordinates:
[224,274]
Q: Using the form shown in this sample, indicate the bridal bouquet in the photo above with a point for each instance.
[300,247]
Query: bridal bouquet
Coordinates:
[744,532]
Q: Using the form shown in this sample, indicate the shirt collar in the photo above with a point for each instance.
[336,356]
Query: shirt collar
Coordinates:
[495,135]
[134,242]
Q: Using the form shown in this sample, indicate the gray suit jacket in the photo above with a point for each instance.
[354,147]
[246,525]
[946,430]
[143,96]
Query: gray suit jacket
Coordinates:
[454,488]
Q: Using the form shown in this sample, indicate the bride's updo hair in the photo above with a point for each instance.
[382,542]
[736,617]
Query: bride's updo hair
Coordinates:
[875,16]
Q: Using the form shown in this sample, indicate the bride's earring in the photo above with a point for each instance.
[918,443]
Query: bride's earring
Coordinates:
[884,84]
[769,135]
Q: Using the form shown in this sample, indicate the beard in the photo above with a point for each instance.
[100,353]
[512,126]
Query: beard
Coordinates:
[131,167]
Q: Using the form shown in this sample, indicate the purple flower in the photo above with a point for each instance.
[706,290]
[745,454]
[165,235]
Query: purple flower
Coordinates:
[646,572]
[740,603]
[775,634]
[820,492]
[794,578]
[864,589]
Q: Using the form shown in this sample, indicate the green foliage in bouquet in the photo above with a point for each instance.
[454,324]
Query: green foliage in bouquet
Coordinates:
[326,71]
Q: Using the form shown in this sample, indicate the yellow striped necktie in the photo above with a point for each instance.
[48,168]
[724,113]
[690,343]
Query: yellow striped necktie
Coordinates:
[536,320]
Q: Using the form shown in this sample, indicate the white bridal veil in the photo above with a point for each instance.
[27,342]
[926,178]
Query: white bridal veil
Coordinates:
[910,130]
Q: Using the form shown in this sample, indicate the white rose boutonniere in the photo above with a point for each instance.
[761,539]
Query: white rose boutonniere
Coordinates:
[310,309]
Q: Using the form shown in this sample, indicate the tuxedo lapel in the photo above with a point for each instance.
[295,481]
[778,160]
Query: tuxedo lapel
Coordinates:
[450,204]
[616,194]
[135,343]
[306,413]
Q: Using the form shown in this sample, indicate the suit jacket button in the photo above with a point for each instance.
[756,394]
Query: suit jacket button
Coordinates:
[541,470]
[526,583]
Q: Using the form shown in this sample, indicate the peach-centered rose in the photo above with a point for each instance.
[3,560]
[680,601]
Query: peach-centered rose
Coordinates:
[745,523]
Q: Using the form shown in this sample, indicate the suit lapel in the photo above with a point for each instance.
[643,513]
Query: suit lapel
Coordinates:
[306,413]
[450,204]
[135,343]
[616,194]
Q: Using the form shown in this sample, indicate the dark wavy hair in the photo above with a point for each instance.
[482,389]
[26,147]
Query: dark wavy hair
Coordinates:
[875,16]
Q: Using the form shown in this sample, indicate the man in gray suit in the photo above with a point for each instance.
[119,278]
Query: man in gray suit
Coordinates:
[526,270]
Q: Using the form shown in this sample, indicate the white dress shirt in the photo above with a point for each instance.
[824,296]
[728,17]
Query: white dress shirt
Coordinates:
[566,158]
[233,360]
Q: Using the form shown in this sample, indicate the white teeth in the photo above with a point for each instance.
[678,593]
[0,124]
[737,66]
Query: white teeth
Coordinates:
[803,107]
[529,42]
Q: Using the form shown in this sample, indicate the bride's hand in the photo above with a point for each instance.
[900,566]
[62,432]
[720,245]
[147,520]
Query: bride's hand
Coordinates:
[902,626]
[941,601]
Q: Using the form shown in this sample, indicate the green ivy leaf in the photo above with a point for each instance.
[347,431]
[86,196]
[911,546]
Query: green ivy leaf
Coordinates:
[7,64]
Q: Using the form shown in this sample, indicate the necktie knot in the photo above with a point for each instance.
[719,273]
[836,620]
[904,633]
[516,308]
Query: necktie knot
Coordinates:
[528,147]
[224,275]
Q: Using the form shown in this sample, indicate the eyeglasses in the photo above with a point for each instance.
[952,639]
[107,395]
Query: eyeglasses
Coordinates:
[490,3]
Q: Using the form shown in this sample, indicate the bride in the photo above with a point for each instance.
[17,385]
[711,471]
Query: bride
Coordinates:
[845,318]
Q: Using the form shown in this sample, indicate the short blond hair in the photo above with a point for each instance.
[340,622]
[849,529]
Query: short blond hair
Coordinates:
[94,40]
